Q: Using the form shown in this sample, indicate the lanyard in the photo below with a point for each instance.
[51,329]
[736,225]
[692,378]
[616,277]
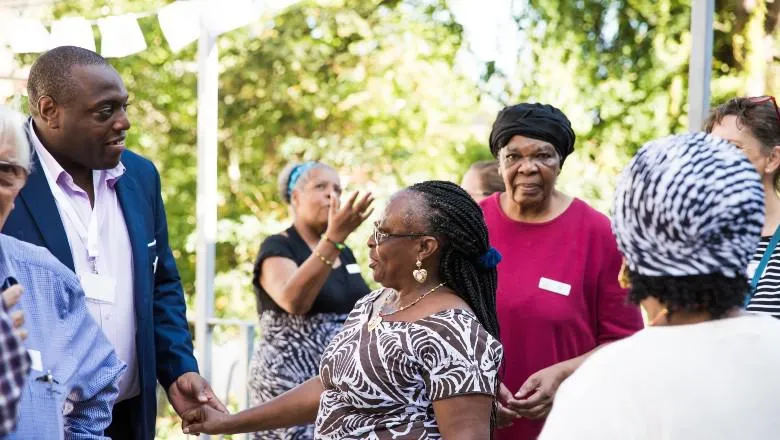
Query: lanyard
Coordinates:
[770,248]
[89,234]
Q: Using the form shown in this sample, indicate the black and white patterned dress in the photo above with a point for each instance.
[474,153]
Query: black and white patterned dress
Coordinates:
[381,384]
[289,348]
[767,296]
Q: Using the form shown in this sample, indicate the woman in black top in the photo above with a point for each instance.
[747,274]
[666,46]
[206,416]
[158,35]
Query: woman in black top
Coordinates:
[306,281]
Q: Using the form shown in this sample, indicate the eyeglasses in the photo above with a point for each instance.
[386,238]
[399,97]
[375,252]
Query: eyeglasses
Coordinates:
[381,237]
[763,99]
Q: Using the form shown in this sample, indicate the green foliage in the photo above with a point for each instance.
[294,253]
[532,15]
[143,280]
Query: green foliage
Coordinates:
[619,70]
[370,87]
[367,86]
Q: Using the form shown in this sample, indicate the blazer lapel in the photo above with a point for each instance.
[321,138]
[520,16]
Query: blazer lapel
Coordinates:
[132,210]
[39,200]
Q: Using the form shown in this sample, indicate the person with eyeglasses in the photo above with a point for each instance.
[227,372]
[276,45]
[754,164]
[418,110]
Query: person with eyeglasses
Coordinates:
[14,164]
[558,294]
[306,281]
[482,180]
[752,124]
[417,359]
[74,372]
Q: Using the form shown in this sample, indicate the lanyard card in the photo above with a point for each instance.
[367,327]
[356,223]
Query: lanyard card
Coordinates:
[99,288]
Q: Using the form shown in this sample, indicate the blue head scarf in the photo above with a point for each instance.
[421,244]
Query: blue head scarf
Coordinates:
[295,175]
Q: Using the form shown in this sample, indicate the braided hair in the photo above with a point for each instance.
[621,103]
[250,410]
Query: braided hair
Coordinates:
[457,221]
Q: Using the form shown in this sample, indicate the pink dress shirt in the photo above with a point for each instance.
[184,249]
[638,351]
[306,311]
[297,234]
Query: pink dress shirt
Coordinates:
[115,258]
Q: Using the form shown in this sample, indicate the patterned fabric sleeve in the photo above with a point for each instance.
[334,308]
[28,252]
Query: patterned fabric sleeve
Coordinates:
[457,355]
[14,366]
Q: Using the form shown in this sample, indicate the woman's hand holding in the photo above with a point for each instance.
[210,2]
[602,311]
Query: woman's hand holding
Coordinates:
[505,417]
[535,397]
[205,420]
[344,219]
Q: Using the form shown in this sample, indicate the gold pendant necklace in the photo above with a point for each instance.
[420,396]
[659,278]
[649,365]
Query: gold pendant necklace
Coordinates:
[374,322]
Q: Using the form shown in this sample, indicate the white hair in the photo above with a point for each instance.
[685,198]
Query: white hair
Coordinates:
[12,133]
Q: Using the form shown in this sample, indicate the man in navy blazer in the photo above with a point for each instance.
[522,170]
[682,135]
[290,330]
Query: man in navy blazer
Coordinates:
[98,208]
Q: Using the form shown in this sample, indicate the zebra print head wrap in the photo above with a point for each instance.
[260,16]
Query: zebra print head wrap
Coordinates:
[688,205]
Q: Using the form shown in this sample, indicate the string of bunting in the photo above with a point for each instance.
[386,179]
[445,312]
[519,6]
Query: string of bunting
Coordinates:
[181,23]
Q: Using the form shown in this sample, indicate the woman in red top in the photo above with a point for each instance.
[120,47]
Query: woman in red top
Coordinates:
[558,295]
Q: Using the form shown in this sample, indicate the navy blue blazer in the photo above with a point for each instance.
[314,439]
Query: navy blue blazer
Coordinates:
[163,341]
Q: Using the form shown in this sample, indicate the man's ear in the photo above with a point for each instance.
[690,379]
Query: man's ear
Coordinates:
[49,110]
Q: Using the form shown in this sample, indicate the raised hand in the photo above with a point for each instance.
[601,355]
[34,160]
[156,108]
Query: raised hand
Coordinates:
[344,219]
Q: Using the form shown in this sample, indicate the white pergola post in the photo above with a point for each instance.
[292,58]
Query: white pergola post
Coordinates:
[206,204]
[700,70]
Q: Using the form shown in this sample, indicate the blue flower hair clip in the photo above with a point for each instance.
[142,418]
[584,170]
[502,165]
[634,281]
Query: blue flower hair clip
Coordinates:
[490,259]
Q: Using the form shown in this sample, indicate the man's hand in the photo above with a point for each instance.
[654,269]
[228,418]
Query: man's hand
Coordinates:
[535,397]
[11,297]
[190,391]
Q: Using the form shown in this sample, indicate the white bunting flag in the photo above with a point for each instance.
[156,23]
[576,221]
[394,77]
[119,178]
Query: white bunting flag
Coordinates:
[121,36]
[72,31]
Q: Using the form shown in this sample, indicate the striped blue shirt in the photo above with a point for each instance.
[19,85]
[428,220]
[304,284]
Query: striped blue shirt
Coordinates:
[84,370]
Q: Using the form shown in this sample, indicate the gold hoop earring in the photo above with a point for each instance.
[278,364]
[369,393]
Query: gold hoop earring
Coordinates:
[420,274]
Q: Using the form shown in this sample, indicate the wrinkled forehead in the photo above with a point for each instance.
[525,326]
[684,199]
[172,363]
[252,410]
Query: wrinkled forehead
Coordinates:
[319,174]
[404,210]
[526,145]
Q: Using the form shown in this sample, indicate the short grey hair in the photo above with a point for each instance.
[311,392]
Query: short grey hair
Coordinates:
[12,133]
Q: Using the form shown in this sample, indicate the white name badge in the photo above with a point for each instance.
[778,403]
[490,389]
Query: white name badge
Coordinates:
[353,268]
[554,286]
[98,287]
[36,363]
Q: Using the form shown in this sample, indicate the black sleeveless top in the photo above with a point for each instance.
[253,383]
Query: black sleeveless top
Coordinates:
[341,290]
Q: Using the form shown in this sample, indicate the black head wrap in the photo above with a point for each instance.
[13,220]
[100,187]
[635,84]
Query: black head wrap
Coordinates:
[537,121]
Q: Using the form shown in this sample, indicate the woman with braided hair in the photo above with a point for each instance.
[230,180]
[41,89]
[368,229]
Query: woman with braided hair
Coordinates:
[687,215]
[417,359]
[558,295]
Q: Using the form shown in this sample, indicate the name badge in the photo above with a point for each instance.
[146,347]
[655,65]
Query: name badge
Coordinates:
[353,268]
[36,363]
[554,286]
[98,288]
